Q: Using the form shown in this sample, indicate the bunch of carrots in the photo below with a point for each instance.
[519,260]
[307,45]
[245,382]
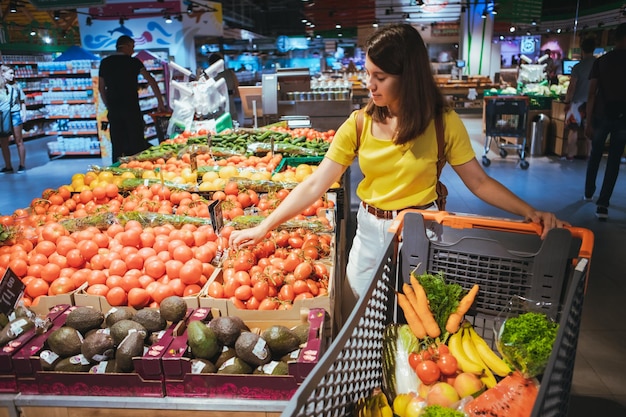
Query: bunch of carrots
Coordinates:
[419,316]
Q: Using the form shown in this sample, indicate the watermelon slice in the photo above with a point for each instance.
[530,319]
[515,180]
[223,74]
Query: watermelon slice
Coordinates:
[513,396]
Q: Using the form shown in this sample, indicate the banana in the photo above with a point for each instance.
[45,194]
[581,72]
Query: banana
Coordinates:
[488,378]
[361,408]
[384,407]
[489,357]
[469,348]
[373,406]
[455,345]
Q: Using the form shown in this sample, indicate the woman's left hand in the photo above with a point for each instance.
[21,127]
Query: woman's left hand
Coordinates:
[547,219]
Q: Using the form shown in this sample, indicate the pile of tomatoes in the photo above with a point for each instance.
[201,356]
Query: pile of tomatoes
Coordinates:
[434,364]
[275,273]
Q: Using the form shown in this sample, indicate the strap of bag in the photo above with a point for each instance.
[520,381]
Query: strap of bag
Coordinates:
[442,190]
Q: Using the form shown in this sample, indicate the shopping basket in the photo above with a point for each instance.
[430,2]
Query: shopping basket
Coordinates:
[505,125]
[495,253]
[161,122]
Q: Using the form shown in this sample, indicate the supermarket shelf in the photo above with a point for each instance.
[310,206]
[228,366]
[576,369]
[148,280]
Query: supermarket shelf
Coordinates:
[73,116]
[59,89]
[61,154]
[34,135]
[71,132]
[71,72]
[40,103]
[163,404]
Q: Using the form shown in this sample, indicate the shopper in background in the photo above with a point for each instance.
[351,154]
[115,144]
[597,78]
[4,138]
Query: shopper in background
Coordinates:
[607,105]
[397,152]
[576,98]
[11,106]
[118,85]
[232,83]
[18,117]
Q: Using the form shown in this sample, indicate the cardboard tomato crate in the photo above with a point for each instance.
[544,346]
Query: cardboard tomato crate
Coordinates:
[47,302]
[227,308]
[180,381]
[8,380]
[145,381]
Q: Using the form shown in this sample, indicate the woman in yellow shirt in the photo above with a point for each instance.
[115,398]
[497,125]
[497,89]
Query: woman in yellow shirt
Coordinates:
[397,152]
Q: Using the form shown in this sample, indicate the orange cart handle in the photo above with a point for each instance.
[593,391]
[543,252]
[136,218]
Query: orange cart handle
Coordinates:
[493,223]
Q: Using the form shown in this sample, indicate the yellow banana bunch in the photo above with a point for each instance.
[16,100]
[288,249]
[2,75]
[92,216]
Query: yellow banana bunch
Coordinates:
[374,406]
[489,357]
[455,345]
[468,346]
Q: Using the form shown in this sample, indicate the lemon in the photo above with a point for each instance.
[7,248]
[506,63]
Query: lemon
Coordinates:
[148,174]
[210,176]
[127,174]
[78,175]
[206,186]
[105,176]
[228,171]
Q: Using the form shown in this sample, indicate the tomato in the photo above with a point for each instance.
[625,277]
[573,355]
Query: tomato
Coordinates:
[414,360]
[291,262]
[138,298]
[261,290]
[242,277]
[282,194]
[238,303]
[215,290]
[243,292]
[244,261]
[231,188]
[282,239]
[230,286]
[268,304]
[447,364]
[286,293]
[303,271]
[428,372]
[295,241]
[303,296]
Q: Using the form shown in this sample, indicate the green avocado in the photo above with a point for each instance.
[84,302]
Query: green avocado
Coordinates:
[98,347]
[121,329]
[227,329]
[151,319]
[273,368]
[119,313]
[73,364]
[84,319]
[235,365]
[253,349]
[130,347]
[281,340]
[202,340]
[65,341]
[173,308]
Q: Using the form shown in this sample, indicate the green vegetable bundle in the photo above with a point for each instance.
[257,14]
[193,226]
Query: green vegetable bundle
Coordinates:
[443,298]
[526,342]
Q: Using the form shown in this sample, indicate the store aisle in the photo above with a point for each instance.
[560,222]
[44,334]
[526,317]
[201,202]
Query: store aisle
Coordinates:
[548,183]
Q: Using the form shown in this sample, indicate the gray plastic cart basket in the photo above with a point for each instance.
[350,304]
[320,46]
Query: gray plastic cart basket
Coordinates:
[506,119]
[504,257]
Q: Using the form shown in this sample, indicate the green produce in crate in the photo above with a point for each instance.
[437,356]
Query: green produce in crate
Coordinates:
[173,308]
[118,313]
[253,349]
[120,329]
[131,346]
[281,340]
[227,329]
[72,364]
[202,340]
[202,366]
[98,346]
[151,319]
[84,319]
[65,341]
[15,328]
[439,411]
[235,365]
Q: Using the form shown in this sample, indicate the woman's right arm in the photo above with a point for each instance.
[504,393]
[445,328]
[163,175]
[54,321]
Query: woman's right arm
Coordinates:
[298,199]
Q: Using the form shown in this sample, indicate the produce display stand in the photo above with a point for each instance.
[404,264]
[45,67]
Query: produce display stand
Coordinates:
[7,405]
[505,122]
[505,257]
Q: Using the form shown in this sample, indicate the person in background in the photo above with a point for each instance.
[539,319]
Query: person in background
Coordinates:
[397,153]
[18,117]
[232,83]
[9,100]
[576,98]
[118,87]
[606,104]
[550,68]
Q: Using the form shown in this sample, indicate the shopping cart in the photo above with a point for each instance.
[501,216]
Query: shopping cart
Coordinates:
[505,125]
[504,257]
[161,122]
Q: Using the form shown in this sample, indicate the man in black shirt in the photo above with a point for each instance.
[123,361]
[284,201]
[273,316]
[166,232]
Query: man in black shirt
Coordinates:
[118,85]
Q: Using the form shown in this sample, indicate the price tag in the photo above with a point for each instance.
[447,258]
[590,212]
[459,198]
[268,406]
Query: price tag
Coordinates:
[217,219]
[11,291]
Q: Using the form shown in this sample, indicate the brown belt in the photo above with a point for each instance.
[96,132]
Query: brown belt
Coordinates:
[390,214]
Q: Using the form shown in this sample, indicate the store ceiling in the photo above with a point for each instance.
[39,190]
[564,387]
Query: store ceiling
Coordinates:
[295,17]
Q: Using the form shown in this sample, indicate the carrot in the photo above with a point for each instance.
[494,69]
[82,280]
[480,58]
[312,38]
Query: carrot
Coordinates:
[454,320]
[423,309]
[410,294]
[412,319]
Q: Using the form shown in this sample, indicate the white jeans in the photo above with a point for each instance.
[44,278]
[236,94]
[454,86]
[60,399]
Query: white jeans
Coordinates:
[368,245]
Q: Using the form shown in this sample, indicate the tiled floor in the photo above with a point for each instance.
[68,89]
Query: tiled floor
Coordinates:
[549,183]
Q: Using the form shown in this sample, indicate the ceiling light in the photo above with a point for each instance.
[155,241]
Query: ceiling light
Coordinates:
[189,8]
[340,34]
[13,7]
[512,29]
[57,15]
[558,30]
[47,39]
[484,15]
[33,32]
[168,19]
[375,24]
[337,26]
[534,22]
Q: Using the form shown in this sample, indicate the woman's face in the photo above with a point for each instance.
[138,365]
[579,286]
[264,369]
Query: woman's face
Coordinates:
[8,75]
[384,88]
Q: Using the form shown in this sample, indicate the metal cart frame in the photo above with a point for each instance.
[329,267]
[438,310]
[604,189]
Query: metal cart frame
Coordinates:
[506,118]
[495,253]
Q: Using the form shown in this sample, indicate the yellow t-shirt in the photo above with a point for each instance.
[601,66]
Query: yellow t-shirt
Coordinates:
[396,177]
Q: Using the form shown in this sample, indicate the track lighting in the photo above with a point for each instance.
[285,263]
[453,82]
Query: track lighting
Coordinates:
[57,15]
[168,19]
[484,15]
[13,7]
[190,8]
[33,32]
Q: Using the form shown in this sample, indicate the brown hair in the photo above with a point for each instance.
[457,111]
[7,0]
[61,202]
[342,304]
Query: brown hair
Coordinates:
[398,49]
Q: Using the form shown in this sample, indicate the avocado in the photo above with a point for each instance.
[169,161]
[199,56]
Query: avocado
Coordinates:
[202,340]
[235,365]
[48,360]
[98,347]
[120,330]
[302,332]
[281,340]
[151,319]
[15,328]
[227,329]
[226,354]
[84,319]
[291,356]
[273,368]
[65,341]
[253,349]
[118,313]
[76,363]
[202,366]
[173,308]
[131,346]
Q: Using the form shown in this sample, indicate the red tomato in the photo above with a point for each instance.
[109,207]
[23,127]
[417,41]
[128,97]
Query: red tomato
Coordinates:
[428,372]
[414,360]
[268,304]
[303,271]
[215,290]
[447,364]
[243,292]
[261,290]
[286,293]
[295,242]
[291,262]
